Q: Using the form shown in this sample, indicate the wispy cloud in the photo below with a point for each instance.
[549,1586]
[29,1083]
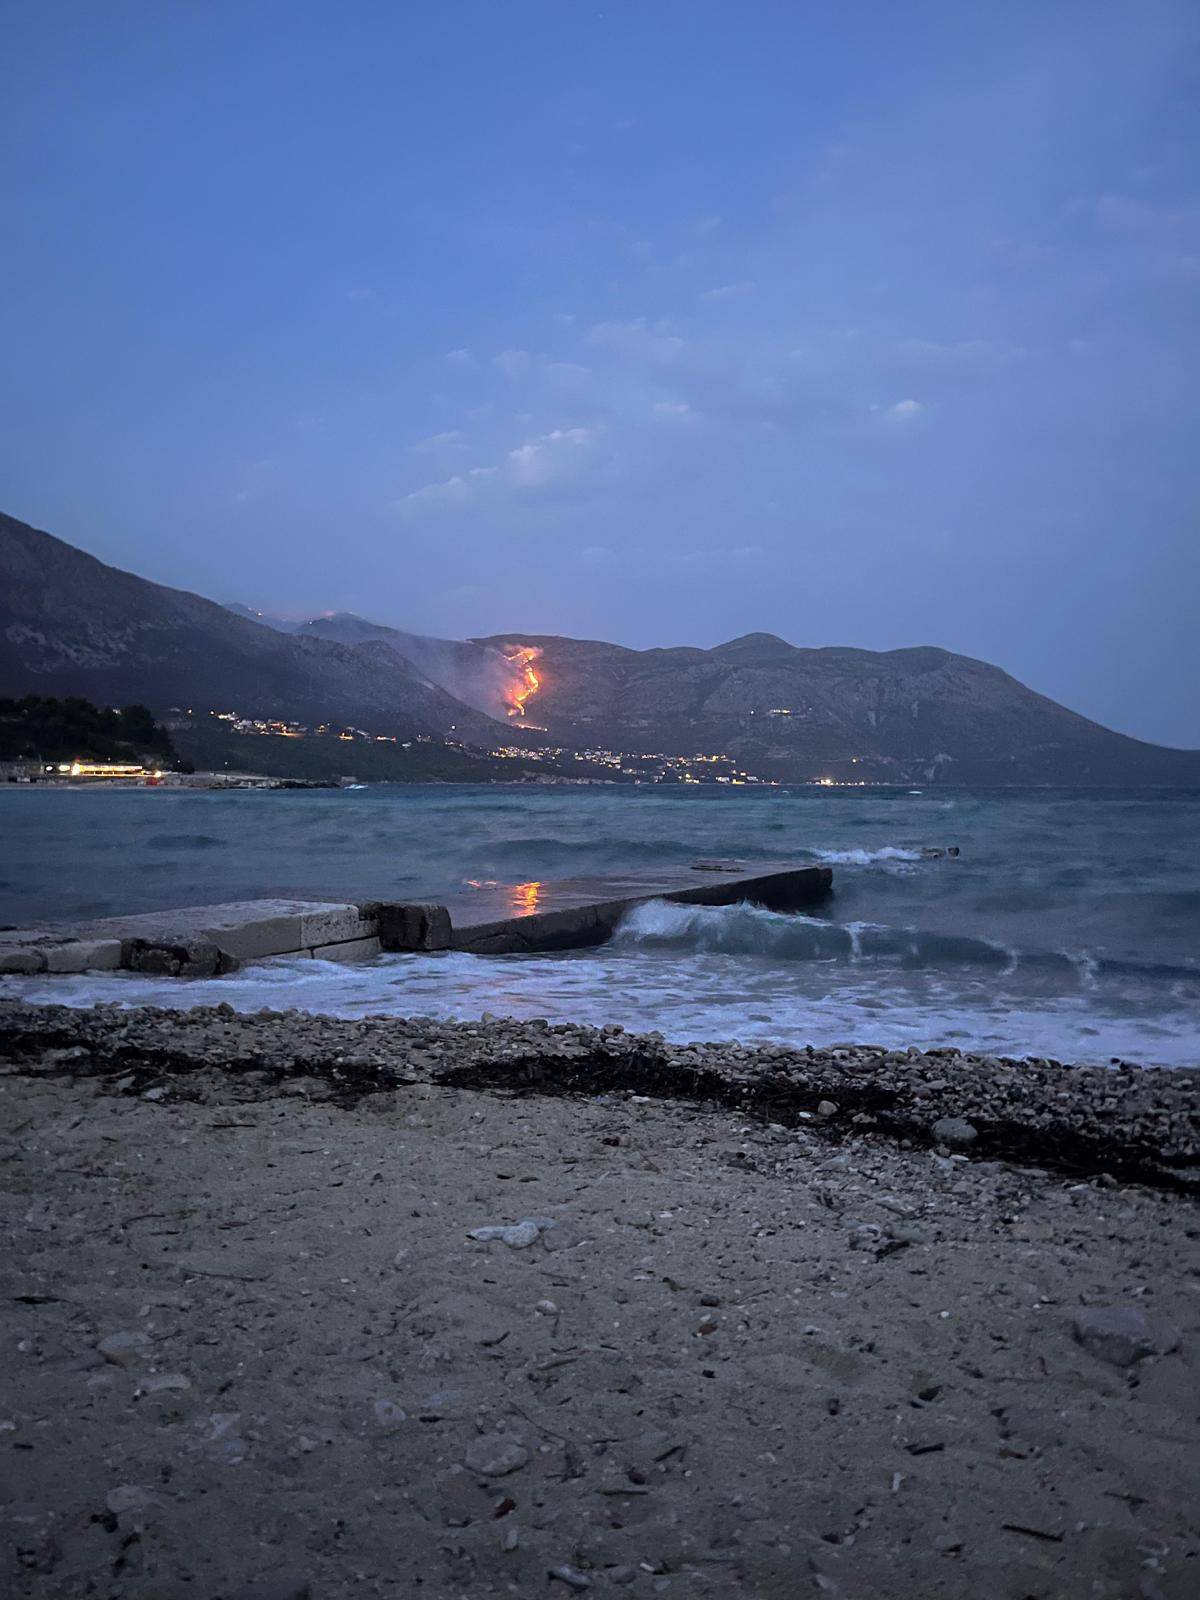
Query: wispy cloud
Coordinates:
[556,457]
[452,439]
[637,339]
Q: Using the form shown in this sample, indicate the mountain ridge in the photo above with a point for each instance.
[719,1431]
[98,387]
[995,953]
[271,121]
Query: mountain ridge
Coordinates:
[69,624]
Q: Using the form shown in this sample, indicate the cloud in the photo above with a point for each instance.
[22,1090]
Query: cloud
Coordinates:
[452,439]
[568,374]
[904,411]
[450,495]
[727,291]
[512,363]
[551,456]
[964,356]
[672,408]
[637,340]
[460,357]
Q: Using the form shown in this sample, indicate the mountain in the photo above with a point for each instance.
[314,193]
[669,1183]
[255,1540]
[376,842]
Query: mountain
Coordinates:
[70,625]
[917,715]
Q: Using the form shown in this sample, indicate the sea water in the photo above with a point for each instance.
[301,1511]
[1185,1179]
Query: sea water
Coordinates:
[1067,926]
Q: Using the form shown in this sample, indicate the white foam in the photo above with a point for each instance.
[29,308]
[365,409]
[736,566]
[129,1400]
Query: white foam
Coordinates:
[867,858]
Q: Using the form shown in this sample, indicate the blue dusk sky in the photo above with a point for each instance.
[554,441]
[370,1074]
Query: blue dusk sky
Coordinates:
[869,323]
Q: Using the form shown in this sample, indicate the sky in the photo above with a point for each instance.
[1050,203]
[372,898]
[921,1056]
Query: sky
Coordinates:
[662,323]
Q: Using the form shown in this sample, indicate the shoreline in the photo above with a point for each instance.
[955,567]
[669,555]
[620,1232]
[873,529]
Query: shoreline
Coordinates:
[1139,1122]
[307,1309]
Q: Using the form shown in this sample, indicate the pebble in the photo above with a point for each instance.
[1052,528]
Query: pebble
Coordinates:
[157,1382]
[955,1132]
[827,1108]
[571,1576]
[388,1414]
[125,1349]
[494,1455]
[130,1497]
[517,1235]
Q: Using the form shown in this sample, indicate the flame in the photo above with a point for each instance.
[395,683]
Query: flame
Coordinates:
[527,681]
[525,897]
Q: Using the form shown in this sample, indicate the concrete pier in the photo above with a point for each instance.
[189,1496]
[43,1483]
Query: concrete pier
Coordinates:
[493,919]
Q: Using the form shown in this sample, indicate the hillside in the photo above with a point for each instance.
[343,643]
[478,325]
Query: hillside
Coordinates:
[70,625]
[921,714]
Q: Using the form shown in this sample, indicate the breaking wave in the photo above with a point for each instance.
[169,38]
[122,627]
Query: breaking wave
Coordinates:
[746,930]
[866,858]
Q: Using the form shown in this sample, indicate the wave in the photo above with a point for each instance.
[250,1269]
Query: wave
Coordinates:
[866,858]
[746,930]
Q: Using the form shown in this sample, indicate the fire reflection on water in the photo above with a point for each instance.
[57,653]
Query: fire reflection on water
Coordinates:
[525,898]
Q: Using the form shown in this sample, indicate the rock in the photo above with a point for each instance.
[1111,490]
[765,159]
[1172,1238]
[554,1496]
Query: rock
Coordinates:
[129,1498]
[1122,1335]
[571,1576]
[388,1414]
[547,1308]
[517,1235]
[158,1382]
[905,1232]
[955,1132]
[125,1349]
[494,1455]
[827,1108]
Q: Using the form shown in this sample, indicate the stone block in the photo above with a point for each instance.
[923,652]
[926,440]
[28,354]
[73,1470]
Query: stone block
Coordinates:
[195,958]
[410,927]
[84,955]
[347,950]
[21,959]
[335,925]
[252,937]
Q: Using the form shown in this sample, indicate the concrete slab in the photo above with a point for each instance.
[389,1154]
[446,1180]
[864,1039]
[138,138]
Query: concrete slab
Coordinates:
[335,925]
[84,955]
[247,930]
[498,919]
[347,950]
[410,926]
[572,913]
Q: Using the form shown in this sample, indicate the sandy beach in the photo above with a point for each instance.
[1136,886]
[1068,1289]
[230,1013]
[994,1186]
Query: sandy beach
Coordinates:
[304,1307]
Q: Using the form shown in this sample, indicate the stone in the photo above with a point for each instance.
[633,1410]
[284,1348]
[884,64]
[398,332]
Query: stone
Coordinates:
[955,1132]
[410,927]
[1121,1335]
[827,1108]
[125,1349]
[129,1499]
[336,925]
[223,1264]
[495,1455]
[905,1232]
[348,950]
[22,960]
[162,1382]
[517,1235]
[84,955]
[571,1576]
[388,1414]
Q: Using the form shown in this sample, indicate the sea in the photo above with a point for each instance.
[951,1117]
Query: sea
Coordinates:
[1067,926]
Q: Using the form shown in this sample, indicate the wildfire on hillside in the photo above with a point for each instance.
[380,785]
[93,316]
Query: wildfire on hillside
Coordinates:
[526,682]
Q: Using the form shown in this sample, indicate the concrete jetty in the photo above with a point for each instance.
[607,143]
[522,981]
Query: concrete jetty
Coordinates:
[490,919]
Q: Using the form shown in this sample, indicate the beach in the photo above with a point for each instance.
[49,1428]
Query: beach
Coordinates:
[307,1306]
